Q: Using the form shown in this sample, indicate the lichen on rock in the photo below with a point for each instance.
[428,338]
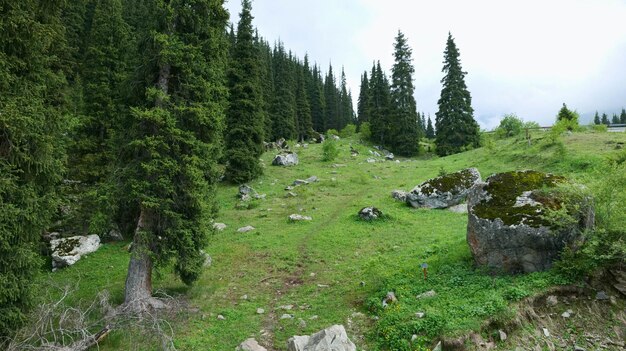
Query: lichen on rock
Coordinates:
[444,191]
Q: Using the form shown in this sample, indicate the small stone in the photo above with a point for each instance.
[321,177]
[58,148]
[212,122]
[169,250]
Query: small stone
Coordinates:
[220,317]
[291,194]
[578,348]
[286,316]
[289,188]
[602,296]
[313,317]
[250,345]
[260,311]
[219,226]
[286,307]
[362,283]
[419,314]
[299,218]
[312,274]
[546,333]
[322,285]
[371,160]
[552,301]
[566,314]
[301,323]
[438,347]
[613,300]
[427,294]
[502,335]
[413,337]
[246,229]
[243,297]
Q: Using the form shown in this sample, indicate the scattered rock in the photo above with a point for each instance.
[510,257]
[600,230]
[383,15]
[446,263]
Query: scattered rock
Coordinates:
[67,251]
[502,335]
[333,338]
[219,226]
[299,218]
[389,299]
[437,347]
[260,311]
[428,294]
[301,323]
[399,195]
[552,301]
[289,159]
[250,345]
[114,234]
[220,317]
[246,229]
[601,296]
[390,157]
[370,160]
[286,316]
[546,333]
[413,337]
[243,297]
[246,190]
[323,285]
[419,314]
[285,307]
[291,194]
[288,188]
[444,191]
[207,259]
[313,317]
[520,239]
[567,314]
[299,182]
[370,213]
[578,348]
[335,137]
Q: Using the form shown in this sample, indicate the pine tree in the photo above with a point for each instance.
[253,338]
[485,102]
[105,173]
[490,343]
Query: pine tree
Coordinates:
[284,102]
[456,127]
[379,106]
[364,100]
[33,126]
[331,99]
[174,139]
[622,117]
[615,119]
[404,127]
[565,114]
[346,110]
[316,98]
[244,118]
[596,119]
[430,131]
[605,119]
[303,110]
[267,84]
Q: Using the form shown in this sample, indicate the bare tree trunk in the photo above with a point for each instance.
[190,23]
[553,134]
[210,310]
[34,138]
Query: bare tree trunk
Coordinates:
[139,279]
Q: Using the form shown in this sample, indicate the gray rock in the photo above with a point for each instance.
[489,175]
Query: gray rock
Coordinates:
[246,229]
[426,295]
[246,190]
[399,195]
[220,317]
[578,348]
[390,157]
[502,335]
[389,299]
[567,314]
[335,137]
[514,239]
[207,259]
[552,301]
[460,208]
[333,338]
[299,182]
[114,234]
[250,345]
[371,160]
[444,191]
[286,316]
[370,213]
[438,347]
[291,194]
[299,218]
[290,159]
[601,296]
[312,179]
[67,251]
[219,226]
[260,311]
[419,314]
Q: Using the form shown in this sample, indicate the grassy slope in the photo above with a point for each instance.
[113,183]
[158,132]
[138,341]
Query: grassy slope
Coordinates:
[319,266]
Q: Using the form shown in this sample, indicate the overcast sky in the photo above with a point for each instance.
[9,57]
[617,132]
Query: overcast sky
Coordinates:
[525,57]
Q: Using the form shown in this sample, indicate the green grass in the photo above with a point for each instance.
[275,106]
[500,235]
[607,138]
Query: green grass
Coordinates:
[337,265]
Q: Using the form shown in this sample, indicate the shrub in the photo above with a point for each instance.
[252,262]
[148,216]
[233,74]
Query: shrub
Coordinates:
[348,131]
[332,132]
[365,131]
[510,125]
[600,128]
[329,150]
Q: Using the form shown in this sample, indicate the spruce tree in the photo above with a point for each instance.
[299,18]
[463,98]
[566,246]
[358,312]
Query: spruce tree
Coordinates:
[346,109]
[284,102]
[364,100]
[33,126]
[565,114]
[331,99]
[615,119]
[379,106]
[303,108]
[244,118]
[622,117]
[267,85]
[316,98]
[430,131]
[456,127]
[174,140]
[605,119]
[404,125]
[596,119]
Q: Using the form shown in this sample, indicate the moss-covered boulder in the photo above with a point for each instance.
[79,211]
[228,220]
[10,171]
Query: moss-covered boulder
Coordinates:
[444,191]
[67,251]
[520,221]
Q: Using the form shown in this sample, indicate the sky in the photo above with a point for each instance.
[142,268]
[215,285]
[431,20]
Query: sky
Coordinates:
[524,57]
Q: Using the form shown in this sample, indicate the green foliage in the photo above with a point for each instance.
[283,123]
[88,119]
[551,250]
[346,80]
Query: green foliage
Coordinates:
[600,128]
[510,126]
[329,150]
[363,106]
[456,128]
[348,131]
[365,130]
[430,131]
[332,132]
[380,106]
[244,122]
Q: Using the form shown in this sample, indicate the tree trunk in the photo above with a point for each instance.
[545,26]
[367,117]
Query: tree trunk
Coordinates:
[139,279]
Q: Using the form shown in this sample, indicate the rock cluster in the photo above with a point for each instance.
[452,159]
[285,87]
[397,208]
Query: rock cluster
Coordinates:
[370,213]
[285,159]
[444,191]
[508,227]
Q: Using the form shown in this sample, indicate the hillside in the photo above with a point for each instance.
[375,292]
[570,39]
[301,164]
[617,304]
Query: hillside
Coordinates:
[335,269]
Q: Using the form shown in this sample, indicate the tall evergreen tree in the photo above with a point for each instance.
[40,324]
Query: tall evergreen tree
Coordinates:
[316,98]
[423,124]
[267,84]
[379,105]
[456,127]
[244,118]
[346,109]
[404,128]
[622,117]
[615,119]
[331,99]
[565,114]
[283,106]
[430,131]
[605,119]
[364,100]
[174,140]
[303,110]
[596,119]
[32,135]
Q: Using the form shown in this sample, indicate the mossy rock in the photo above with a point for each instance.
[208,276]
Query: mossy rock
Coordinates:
[444,191]
[511,226]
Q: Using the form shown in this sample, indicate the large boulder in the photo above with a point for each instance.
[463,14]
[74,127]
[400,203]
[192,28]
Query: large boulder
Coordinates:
[444,191]
[67,251]
[334,338]
[250,345]
[514,224]
[288,159]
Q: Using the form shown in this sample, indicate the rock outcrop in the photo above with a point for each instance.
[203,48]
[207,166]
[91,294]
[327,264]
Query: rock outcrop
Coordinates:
[287,159]
[510,228]
[334,338]
[370,213]
[444,191]
[250,345]
[67,251]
